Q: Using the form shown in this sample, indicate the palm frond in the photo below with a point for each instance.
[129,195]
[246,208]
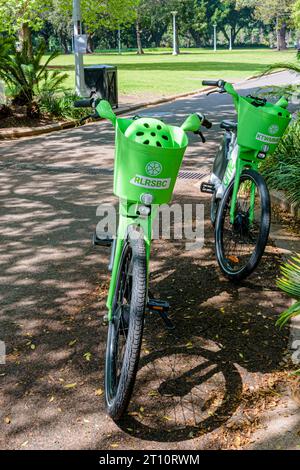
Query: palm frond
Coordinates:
[293,67]
[25,75]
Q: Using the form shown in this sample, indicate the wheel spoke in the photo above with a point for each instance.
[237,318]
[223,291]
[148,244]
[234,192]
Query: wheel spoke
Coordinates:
[240,238]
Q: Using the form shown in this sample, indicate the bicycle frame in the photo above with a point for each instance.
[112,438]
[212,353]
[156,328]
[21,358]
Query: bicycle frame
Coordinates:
[245,158]
[136,213]
[128,216]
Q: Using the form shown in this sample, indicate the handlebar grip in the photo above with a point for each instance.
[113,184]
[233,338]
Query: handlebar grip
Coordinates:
[206,123]
[84,103]
[218,83]
[210,82]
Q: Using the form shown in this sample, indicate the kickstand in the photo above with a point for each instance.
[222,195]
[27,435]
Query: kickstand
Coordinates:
[168,323]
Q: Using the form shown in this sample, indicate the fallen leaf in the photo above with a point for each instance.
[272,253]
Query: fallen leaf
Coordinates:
[167,418]
[68,386]
[51,399]
[71,343]
[114,445]
[98,392]
[24,444]
[7,420]
[142,409]
[233,258]
[32,346]
[189,345]
[87,356]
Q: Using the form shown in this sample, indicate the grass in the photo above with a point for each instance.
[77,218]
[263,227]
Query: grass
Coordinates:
[160,73]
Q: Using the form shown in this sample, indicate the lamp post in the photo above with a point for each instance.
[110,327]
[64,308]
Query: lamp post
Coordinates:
[215,37]
[175,50]
[79,75]
[230,38]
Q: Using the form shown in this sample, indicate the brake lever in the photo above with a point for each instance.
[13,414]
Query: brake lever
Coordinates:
[201,136]
[215,91]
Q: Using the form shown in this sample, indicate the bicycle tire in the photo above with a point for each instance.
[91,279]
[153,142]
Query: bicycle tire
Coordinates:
[262,238]
[118,390]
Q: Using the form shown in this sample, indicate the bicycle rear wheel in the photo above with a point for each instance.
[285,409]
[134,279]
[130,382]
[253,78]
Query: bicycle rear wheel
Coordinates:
[126,327]
[240,246]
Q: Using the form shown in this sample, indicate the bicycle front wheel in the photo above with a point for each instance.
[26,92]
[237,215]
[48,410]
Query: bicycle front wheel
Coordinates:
[126,327]
[240,246]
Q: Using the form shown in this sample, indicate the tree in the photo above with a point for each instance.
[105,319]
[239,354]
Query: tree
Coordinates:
[111,14]
[60,21]
[275,12]
[296,13]
[23,16]
[228,14]
[195,13]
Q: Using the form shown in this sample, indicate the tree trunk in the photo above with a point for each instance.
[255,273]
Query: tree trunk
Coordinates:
[90,44]
[64,43]
[138,38]
[281,35]
[26,39]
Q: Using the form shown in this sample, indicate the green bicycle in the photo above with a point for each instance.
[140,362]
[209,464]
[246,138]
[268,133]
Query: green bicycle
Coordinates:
[148,157]
[240,205]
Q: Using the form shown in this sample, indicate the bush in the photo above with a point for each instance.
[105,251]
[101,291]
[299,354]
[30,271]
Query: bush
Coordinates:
[60,105]
[289,282]
[5,111]
[282,169]
[25,76]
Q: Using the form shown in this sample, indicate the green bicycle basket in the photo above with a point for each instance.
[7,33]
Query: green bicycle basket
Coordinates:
[260,128]
[147,159]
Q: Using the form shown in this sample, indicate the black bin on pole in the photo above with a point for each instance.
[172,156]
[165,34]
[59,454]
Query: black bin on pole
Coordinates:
[103,80]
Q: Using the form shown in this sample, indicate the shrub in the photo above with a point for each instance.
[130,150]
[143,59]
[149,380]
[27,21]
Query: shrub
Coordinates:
[60,105]
[282,170]
[289,282]
[25,76]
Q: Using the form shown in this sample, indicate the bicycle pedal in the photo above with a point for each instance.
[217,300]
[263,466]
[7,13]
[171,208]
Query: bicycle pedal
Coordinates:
[207,187]
[102,239]
[162,308]
[157,305]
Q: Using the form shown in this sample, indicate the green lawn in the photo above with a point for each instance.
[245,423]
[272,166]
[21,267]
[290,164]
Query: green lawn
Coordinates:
[160,73]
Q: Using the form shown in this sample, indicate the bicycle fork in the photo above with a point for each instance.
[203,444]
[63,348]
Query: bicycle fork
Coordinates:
[129,215]
[244,160]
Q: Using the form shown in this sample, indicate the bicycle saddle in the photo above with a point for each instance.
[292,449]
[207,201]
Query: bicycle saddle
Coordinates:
[228,125]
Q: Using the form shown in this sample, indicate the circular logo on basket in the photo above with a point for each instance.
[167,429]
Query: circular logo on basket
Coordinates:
[273,129]
[153,168]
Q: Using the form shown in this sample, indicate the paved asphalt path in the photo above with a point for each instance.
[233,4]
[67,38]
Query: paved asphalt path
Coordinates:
[53,285]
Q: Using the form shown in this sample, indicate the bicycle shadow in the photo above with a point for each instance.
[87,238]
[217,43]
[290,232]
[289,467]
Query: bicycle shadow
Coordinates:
[186,404]
[190,381]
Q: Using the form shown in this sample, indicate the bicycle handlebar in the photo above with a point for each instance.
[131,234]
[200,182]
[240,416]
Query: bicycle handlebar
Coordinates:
[217,83]
[84,103]
[206,123]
